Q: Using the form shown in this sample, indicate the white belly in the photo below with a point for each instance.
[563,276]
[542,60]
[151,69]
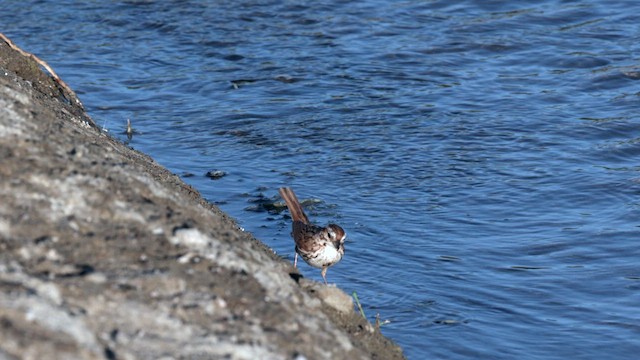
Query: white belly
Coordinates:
[328,256]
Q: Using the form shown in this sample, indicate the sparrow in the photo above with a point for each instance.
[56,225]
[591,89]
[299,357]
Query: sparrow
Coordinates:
[320,247]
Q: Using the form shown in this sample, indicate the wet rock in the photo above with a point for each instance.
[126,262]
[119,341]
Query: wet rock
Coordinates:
[287,79]
[106,255]
[215,174]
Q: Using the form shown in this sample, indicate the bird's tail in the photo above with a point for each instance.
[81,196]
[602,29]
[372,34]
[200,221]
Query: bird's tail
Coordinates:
[295,209]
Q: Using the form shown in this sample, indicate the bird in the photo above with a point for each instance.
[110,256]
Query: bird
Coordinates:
[320,247]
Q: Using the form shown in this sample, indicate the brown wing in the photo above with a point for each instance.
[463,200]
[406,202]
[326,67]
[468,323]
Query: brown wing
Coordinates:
[307,236]
[295,209]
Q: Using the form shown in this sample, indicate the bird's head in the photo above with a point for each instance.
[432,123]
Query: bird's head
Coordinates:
[337,235]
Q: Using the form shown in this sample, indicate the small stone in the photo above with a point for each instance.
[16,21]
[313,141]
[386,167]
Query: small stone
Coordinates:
[335,298]
[215,174]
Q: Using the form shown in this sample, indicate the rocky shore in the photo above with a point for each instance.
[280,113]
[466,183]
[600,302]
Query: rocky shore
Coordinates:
[104,254]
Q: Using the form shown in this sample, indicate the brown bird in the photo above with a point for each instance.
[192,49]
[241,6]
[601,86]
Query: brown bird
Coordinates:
[320,247]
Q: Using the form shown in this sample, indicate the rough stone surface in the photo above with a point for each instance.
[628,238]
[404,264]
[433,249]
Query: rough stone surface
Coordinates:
[106,255]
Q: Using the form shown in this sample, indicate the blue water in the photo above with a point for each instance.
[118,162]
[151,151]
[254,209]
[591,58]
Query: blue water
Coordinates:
[483,156]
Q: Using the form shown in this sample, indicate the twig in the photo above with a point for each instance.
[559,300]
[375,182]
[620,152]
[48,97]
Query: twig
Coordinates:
[129,131]
[104,126]
[380,323]
[355,296]
[70,93]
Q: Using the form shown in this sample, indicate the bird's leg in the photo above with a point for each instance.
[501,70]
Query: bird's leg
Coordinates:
[324,275]
[295,261]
